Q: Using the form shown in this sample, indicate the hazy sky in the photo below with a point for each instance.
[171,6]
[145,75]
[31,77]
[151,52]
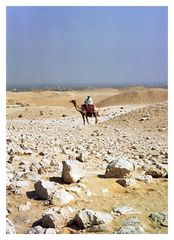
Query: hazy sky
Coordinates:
[86,46]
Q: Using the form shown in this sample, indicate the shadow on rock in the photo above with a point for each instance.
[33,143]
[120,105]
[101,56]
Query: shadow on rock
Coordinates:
[57,180]
[73,226]
[101,175]
[32,195]
[38,222]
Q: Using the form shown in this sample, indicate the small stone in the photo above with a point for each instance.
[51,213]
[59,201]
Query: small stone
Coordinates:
[126,182]
[97,228]
[131,226]
[75,189]
[41,153]
[161,217]
[156,173]
[162,129]
[88,193]
[80,157]
[34,177]
[27,221]
[28,152]
[105,190]
[36,230]
[144,178]
[10,228]
[22,184]
[122,210]
[50,231]
[24,207]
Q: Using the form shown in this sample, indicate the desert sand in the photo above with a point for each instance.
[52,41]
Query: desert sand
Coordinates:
[44,129]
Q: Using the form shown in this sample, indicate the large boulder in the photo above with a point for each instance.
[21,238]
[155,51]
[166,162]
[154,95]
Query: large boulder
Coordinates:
[57,217]
[87,218]
[119,168]
[45,189]
[131,226]
[10,228]
[61,197]
[72,171]
[51,219]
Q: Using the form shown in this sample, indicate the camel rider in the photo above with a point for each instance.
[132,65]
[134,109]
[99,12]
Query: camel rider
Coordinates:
[88,101]
[89,104]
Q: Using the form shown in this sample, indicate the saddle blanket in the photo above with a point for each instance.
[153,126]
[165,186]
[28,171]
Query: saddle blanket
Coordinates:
[90,108]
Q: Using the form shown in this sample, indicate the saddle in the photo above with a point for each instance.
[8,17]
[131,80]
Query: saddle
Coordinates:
[90,108]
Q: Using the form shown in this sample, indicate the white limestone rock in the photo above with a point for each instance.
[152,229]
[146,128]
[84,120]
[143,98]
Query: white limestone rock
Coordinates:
[72,171]
[25,207]
[131,226]
[144,178]
[61,197]
[87,218]
[45,189]
[122,210]
[57,217]
[36,230]
[126,182]
[10,228]
[119,168]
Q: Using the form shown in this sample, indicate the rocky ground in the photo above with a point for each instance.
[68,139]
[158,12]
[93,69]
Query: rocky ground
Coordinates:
[110,177]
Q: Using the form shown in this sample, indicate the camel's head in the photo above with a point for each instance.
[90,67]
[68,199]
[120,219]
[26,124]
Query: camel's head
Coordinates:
[73,101]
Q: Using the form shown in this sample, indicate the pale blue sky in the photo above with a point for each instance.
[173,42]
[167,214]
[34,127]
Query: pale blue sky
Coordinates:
[86,46]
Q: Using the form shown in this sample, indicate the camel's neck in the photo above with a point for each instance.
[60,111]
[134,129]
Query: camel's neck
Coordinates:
[77,107]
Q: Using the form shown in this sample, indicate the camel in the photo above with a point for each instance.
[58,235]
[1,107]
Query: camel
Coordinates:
[82,110]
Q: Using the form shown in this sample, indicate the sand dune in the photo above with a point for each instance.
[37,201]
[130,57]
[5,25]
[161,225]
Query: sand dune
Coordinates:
[135,97]
[58,98]
[103,97]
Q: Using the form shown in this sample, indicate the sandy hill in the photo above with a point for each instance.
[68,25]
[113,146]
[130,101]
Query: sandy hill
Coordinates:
[58,98]
[152,118]
[132,96]
[103,97]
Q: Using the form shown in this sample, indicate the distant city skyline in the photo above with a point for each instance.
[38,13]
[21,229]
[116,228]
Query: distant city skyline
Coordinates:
[61,47]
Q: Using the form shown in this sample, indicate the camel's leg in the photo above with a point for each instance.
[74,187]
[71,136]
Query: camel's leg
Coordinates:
[95,115]
[98,114]
[87,119]
[83,118]
[96,120]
